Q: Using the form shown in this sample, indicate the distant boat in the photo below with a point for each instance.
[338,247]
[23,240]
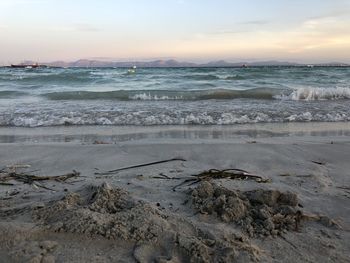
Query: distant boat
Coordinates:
[132,70]
[36,65]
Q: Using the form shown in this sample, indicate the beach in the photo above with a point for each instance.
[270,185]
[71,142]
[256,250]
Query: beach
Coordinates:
[174,131]
[295,209]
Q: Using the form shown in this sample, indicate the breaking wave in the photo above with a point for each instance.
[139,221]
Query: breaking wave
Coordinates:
[300,94]
[222,94]
[310,94]
[139,118]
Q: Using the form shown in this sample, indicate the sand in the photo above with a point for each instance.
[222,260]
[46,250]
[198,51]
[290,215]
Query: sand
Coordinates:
[301,215]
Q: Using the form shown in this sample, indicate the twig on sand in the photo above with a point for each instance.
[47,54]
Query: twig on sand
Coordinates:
[3,183]
[165,177]
[292,244]
[42,186]
[139,165]
[235,174]
[343,187]
[319,162]
[100,142]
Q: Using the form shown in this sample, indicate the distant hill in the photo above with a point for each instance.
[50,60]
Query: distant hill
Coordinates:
[332,64]
[127,64]
[274,63]
[174,63]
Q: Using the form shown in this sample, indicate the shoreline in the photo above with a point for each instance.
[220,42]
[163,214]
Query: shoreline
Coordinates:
[141,134]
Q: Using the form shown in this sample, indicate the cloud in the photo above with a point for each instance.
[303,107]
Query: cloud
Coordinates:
[255,22]
[21,2]
[344,11]
[86,27]
[317,34]
[241,28]
[78,27]
[324,37]
[229,31]
[325,26]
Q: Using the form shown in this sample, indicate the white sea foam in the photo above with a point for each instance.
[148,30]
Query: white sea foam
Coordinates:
[148,96]
[140,119]
[311,93]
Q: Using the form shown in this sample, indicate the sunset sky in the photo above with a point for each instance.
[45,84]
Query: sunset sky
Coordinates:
[191,30]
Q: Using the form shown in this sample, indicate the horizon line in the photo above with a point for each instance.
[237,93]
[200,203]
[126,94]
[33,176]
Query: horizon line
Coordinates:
[150,60]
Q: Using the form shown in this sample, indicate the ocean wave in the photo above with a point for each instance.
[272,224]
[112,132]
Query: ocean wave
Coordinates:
[11,94]
[200,77]
[312,94]
[50,77]
[235,77]
[139,118]
[298,94]
[219,94]
[147,96]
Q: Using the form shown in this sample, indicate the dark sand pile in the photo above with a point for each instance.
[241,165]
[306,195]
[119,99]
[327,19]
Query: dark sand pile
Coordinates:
[259,212]
[159,236]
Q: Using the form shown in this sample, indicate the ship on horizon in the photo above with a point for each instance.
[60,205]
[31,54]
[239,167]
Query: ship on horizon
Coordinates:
[35,65]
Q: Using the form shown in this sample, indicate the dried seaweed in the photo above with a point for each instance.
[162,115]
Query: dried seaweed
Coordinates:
[11,173]
[234,174]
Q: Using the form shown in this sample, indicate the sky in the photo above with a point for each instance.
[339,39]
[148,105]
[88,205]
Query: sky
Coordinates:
[307,31]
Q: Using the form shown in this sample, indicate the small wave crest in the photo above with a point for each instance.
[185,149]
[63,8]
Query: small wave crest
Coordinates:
[73,77]
[200,77]
[145,96]
[235,77]
[312,94]
[11,93]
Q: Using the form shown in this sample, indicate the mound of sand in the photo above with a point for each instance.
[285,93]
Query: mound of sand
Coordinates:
[259,212]
[158,236]
[104,211]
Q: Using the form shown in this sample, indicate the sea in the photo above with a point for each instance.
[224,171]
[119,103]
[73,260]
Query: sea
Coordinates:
[173,96]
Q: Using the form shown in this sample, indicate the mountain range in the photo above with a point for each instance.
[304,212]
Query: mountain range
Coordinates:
[174,63]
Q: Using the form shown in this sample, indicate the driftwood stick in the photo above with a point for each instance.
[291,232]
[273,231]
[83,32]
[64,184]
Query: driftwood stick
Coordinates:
[139,165]
[343,187]
[166,178]
[319,162]
[3,183]
[42,186]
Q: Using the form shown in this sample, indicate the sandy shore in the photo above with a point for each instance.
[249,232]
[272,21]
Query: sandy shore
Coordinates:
[301,215]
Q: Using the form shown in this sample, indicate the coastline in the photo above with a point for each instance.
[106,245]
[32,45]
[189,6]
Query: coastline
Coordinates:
[310,160]
[169,133]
